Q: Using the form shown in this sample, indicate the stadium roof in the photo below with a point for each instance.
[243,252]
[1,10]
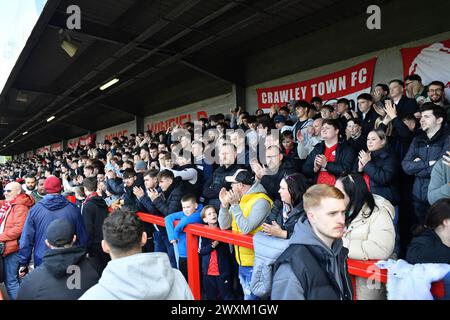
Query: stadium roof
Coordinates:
[165,53]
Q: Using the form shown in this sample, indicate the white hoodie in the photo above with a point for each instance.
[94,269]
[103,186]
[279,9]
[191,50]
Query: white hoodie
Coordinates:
[144,276]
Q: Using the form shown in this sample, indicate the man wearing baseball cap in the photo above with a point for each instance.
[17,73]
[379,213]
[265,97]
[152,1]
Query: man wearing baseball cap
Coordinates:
[53,206]
[280,121]
[244,208]
[62,260]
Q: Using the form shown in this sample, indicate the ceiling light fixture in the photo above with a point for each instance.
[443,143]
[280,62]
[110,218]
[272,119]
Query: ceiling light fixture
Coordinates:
[26,132]
[12,141]
[68,44]
[109,84]
[51,118]
[21,97]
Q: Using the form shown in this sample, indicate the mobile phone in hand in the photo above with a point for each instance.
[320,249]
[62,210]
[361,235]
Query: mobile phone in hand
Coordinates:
[24,270]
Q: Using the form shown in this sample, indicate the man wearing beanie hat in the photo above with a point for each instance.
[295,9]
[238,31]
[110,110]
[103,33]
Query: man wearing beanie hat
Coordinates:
[53,206]
[50,281]
[52,185]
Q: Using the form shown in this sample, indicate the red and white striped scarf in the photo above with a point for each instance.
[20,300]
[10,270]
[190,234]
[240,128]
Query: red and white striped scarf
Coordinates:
[4,209]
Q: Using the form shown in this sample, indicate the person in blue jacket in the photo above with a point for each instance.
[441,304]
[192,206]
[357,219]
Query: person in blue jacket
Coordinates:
[53,206]
[191,214]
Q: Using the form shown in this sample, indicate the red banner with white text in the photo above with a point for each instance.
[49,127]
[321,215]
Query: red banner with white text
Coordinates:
[431,62]
[346,83]
[56,147]
[87,140]
[81,141]
[43,150]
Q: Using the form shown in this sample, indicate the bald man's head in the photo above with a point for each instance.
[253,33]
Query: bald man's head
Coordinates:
[12,190]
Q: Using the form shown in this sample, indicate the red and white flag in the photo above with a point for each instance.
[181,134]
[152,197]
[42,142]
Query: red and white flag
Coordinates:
[431,62]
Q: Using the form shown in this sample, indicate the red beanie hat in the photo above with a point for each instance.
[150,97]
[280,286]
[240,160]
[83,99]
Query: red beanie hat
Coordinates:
[52,185]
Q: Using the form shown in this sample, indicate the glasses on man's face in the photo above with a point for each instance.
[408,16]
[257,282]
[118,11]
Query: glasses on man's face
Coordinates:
[435,90]
[7,191]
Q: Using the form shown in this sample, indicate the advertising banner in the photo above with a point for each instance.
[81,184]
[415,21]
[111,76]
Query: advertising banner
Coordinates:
[347,83]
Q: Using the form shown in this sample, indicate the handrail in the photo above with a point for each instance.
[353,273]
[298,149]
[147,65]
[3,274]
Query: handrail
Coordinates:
[357,268]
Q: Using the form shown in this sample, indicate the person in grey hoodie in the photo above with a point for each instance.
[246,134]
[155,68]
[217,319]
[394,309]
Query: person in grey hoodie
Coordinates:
[439,186]
[132,275]
[314,266]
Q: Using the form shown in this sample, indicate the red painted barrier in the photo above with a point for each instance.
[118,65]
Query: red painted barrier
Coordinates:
[357,268]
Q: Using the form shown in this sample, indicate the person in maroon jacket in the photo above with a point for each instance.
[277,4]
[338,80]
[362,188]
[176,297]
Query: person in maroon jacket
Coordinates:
[13,213]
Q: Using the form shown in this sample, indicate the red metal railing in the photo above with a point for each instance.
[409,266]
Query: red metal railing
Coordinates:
[357,268]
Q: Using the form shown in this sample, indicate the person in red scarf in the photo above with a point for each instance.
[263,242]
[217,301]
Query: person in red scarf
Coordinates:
[94,211]
[13,213]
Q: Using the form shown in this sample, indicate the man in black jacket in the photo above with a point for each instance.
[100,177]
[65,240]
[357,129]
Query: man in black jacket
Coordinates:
[355,138]
[161,242]
[169,200]
[130,180]
[94,211]
[402,104]
[227,160]
[366,113]
[425,150]
[65,272]
[275,169]
[314,267]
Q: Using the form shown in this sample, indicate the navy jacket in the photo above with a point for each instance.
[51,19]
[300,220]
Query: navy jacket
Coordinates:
[170,200]
[217,181]
[145,204]
[115,186]
[49,281]
[94,212]
[53,206]
[383,172]
[427,150]
[293,156]
[130,200]
[271,182]
[401,137]
[368,123]
[358,144]
[224,257]
[406,106]
[428,248]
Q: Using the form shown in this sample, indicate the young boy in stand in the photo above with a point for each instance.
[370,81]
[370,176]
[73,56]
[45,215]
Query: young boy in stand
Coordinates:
[190,214]
[216,260]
